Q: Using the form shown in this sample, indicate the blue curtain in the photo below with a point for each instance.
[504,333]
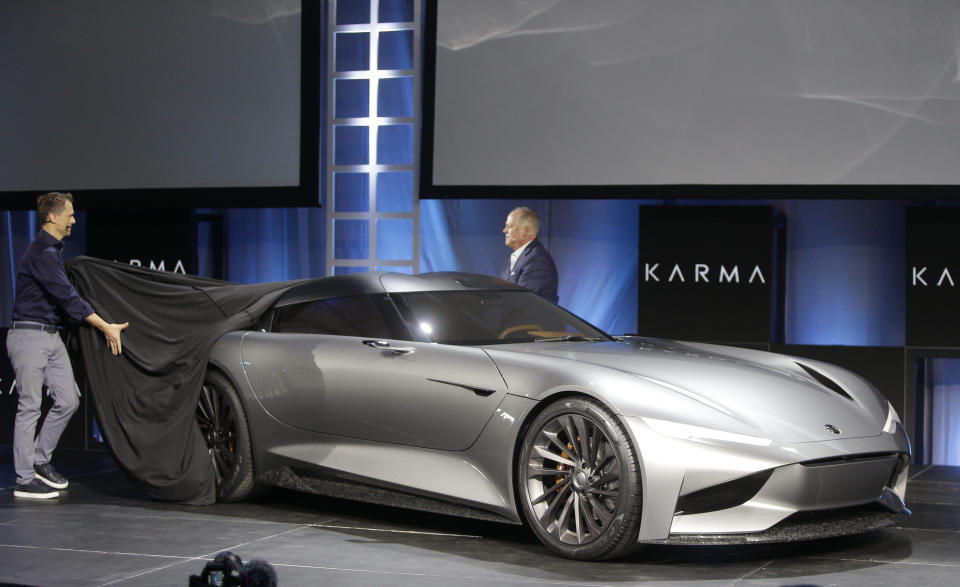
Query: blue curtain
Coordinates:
[17,231]
[275,244]
[846,283]
[12,235]
[945,413]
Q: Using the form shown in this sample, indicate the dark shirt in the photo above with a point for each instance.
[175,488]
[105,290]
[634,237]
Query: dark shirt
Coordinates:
[43,292]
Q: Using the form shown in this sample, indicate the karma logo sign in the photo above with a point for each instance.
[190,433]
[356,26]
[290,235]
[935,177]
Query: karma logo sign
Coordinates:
[938,277]
[177,267]
[707,273]
[931,275]
[703,273]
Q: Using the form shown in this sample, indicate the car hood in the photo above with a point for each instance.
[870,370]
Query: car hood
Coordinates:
[779,397]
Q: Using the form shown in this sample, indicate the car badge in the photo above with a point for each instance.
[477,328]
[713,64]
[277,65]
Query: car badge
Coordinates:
[832,428]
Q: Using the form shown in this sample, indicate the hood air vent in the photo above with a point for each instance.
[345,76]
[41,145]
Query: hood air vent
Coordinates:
[825,381]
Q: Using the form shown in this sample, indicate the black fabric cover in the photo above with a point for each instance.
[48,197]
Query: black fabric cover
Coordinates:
[146,398]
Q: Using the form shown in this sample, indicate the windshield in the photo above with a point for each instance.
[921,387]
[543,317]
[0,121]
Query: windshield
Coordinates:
[489,317]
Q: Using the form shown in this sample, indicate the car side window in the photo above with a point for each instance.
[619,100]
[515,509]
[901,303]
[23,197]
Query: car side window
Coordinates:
[372,316]
[487,317]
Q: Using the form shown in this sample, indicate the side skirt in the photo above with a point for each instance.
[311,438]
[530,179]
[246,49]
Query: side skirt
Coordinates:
[346,489]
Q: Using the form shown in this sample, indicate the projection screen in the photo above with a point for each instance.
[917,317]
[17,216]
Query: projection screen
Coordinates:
[115,97]
[813,98]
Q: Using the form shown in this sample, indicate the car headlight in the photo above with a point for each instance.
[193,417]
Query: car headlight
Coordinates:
[890,426]
[691,432]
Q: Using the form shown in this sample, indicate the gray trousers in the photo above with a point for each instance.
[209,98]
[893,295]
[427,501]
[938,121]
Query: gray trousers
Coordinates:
[39,358]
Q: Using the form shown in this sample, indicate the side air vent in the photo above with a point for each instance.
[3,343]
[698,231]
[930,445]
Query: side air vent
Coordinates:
[824,380]
[723,496]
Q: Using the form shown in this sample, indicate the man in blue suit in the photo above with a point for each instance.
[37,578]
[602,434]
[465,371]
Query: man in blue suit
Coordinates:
[530,265]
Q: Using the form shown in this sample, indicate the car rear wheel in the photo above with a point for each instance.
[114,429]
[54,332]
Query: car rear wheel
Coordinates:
[579,481]
[223,423]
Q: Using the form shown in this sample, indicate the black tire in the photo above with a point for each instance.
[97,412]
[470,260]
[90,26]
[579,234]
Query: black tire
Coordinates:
[578,481]
[223,424]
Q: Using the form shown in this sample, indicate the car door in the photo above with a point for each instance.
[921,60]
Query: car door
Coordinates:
[374,388]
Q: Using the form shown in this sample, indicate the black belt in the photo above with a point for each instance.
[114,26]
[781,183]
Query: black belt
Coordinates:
[34,326]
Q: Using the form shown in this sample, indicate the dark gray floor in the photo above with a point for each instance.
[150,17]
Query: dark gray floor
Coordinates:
[102,531]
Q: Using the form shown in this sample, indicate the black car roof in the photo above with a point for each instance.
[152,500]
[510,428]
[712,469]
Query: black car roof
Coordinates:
[371,282]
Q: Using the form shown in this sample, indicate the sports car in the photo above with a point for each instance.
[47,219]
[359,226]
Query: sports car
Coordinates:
[467,395]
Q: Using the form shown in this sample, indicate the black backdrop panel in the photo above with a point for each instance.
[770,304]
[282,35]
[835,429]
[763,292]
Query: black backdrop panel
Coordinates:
[707,273]
[933,277]
[160,239]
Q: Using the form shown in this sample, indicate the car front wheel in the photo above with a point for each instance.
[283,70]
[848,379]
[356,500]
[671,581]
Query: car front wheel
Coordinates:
[579,481]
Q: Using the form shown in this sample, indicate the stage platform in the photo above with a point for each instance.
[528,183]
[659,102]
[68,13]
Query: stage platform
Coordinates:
[103,531]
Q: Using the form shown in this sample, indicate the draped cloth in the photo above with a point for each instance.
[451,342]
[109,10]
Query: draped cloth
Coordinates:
[145,399]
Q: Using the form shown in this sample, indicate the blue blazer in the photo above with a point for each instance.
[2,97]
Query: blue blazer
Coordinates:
[535,270]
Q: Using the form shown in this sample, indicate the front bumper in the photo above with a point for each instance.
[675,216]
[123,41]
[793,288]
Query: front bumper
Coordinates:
[843,486]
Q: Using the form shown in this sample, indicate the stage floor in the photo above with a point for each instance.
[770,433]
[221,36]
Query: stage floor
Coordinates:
[103,531]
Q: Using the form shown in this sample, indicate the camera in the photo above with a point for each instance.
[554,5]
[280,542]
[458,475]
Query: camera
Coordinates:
[227,570]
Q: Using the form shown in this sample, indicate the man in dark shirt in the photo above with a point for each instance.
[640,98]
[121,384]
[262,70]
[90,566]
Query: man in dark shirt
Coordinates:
[44,296]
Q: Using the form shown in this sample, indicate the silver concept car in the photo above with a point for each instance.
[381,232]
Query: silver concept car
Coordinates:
[464,394]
